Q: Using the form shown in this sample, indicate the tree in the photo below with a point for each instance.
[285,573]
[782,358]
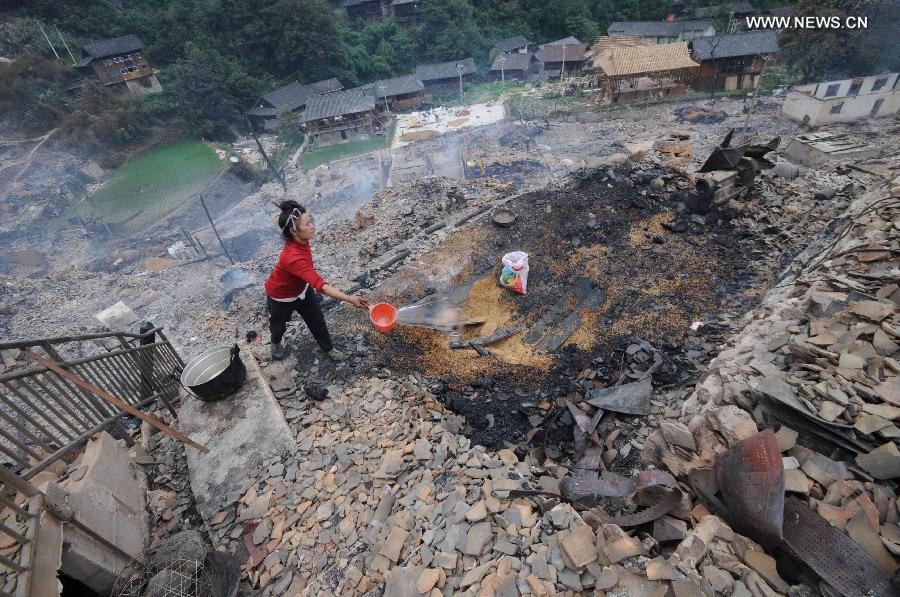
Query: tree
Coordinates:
[289,128]
[210,92]
[449,30]
[835,53]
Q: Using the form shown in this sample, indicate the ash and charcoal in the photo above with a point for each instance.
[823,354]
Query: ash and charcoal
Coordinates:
[611,228]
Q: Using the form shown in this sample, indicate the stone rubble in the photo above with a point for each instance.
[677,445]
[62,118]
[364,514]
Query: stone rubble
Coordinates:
[384,491]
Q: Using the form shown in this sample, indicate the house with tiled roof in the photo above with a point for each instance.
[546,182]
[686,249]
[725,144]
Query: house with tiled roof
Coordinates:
[512,66]
[562,55]
[663,32]
[517,44]
[342,116]
[289,98]
[445,76]
[398,93]
[120,62]
[733,61]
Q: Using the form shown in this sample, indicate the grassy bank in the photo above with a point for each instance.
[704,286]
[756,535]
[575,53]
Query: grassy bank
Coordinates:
[150,186]
[317,157]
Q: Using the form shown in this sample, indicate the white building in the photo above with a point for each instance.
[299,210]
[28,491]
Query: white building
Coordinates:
[844,101]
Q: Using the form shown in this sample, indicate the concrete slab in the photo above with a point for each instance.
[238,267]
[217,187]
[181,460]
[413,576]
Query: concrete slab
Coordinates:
[48,548]
[117,317]
[240,431]
[429,124]
[816,148]
[111,500]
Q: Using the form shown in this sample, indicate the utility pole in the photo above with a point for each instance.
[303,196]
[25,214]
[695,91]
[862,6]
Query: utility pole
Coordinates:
[714,44]
[459,69]
[265,156]
[211,223]
[50,43]
[65,44]
[503,67]
[562,71]
[753,101]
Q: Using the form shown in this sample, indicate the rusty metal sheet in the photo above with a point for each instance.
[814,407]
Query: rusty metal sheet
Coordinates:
[831,554]
[630,398]
[751,480]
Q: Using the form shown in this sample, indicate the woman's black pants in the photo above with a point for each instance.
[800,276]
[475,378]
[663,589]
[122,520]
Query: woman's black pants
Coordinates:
[309,308]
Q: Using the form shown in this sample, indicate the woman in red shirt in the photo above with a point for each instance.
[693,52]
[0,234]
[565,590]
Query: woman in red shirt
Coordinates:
[294,284]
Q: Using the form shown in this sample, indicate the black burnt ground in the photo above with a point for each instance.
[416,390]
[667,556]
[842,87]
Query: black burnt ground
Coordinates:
[656,284]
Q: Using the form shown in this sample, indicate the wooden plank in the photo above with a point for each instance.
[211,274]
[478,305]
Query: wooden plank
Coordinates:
[582,289]
[115,401]
[572,322]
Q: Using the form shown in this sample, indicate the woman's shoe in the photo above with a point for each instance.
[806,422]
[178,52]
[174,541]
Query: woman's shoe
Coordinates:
[335,355]
[278,352]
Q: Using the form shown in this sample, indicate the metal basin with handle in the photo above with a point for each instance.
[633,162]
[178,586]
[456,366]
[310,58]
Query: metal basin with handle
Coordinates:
[215,374]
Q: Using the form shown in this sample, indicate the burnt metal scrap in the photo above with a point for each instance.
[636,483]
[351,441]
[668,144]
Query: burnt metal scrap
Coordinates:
[831,554]
[751,479]
[631,398]
[729,171]
[588,488]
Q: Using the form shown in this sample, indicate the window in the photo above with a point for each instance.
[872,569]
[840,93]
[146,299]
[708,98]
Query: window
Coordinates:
[855,87]
[832,90]
[876,106]
[836,108]
[879,83]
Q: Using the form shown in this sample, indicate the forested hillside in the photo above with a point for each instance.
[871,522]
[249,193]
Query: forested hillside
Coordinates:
[217,56]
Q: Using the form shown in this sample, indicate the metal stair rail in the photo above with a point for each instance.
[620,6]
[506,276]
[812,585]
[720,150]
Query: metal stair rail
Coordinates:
[45,418]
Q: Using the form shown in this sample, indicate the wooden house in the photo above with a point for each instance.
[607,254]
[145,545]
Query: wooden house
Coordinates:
[120,62]
[341,116]
[512,45]
[652,71]
[290,98]
[566,55]
[445,76]
[513,66]
[406,11]
[369,10]
[399,93]
[663,32]
[733,61]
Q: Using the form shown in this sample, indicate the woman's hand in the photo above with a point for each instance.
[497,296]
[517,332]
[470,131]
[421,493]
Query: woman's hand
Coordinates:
[358,302]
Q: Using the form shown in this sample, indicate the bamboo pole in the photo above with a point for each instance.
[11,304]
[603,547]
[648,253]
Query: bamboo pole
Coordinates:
[115,401]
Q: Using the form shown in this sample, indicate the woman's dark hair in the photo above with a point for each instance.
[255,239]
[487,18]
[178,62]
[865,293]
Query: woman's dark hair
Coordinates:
[285,221]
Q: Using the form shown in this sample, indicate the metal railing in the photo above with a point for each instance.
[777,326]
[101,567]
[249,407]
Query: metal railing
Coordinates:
[44,417]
